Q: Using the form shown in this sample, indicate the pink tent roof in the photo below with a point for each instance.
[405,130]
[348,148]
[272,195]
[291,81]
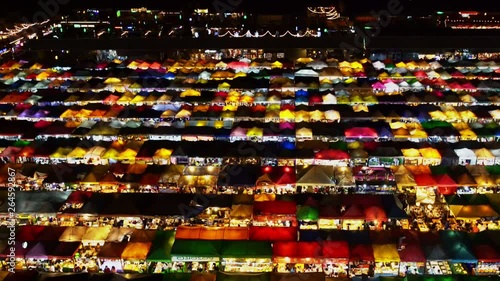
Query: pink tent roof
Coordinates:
[358,132]
[378,86]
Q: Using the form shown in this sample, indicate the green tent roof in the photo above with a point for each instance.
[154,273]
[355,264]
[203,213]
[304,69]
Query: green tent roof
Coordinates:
[457,246]
[307,213]
[162,246]
[247,249]
[243,276]
[197,248]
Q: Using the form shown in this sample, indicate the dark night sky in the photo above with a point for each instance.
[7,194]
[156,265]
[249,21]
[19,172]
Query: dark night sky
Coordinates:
[29,7]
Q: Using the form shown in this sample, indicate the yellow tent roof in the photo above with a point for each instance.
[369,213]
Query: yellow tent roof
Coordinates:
[356,65]
[345,64]
[111,154]
[112,80]
[430,152]
[190,93]
[96,234]
[133,65]
[61,152]
[241,212]
[401,65]
[276,64]
[77,153]
[264,197]
[385,253]
[128,153]
[163,153]
[136,251]
[36,66]
[305,60]
[287,114]
[73,234]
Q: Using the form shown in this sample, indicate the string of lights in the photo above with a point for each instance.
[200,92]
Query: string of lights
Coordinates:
[308,33]
[330,12]
[20,28]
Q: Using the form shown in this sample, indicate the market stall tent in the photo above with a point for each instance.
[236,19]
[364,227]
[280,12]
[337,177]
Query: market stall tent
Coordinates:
[386,253]
[160,250]
[184,250]
[247,249]
[264,233]
[73,234]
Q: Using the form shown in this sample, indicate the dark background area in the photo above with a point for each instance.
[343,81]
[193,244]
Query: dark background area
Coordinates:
[27,8]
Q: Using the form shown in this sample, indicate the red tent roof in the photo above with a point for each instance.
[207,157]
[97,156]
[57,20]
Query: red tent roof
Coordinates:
[446,185]
[425,180]
[361,252]
[354,212]
[287,178]
[329,212]
[297,249]
[420,74]
[265,233]
[335,250]
[332,154]
[412,253]
[275,207]
[486,253]
[375,213]
[78,197]
[28,233]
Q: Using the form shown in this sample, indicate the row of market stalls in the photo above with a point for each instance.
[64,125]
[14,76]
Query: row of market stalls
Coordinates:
[293,111]
[330,68]
[208,131]
[226,95]
[332,177]
[335,253]
[354,153]
[287,213]
[221,276]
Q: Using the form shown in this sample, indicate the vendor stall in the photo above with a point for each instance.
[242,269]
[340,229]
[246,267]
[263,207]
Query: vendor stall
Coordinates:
[159,254]
[246,256]
[197,255]
[134,257]
[297,257]
[109,257]
[52,256]
[241,215]
[412,257]
[386,259]
[275,213]
[335,256]
[307,217]
[361,260]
